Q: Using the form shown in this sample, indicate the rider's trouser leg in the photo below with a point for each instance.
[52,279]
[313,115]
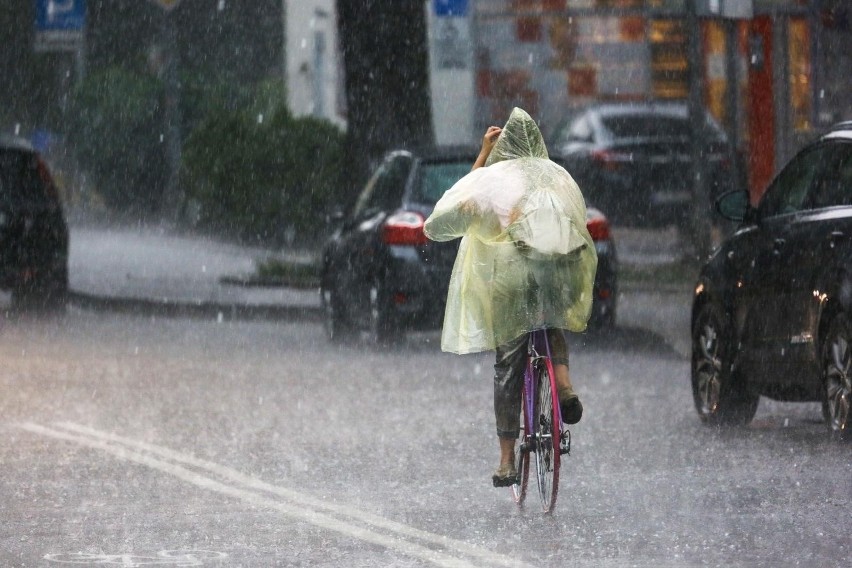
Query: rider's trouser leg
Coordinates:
[509,379]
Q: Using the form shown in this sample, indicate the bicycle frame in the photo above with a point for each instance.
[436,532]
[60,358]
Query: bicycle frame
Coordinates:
[536,344]
[543,432]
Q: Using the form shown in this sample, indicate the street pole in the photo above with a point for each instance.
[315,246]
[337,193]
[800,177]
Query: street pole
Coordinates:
[171,198]
[701,207]
[171,195]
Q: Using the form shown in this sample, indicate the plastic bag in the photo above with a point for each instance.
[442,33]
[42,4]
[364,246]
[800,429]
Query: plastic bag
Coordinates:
[526,259]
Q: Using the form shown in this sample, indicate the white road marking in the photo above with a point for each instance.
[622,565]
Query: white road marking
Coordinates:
[162,558]
[296,504]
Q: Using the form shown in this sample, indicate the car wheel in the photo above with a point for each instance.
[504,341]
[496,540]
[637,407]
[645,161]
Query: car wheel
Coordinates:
[837,376]
[381,326]
[718,390]
[337,329]
[47,294]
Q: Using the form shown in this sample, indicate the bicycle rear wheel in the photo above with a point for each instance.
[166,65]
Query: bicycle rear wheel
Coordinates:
[522,457]
[547,435]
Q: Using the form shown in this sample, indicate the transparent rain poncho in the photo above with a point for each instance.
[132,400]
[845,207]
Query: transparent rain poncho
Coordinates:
[526,259]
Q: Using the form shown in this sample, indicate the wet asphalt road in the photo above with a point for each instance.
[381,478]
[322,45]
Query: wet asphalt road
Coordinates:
[191,441]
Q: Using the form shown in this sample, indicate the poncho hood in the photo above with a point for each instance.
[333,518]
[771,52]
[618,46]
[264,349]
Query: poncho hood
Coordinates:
[520,138]
[526,259]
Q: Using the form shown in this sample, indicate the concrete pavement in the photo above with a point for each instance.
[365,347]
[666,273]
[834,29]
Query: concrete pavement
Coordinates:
[155,268]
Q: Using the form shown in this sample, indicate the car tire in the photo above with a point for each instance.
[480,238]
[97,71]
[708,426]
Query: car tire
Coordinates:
[48,294]
[719,391]
[836,365]
[603,320]
[382,329]
[337,329]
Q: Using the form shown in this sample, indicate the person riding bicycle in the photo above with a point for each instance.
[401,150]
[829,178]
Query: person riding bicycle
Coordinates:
[526,261]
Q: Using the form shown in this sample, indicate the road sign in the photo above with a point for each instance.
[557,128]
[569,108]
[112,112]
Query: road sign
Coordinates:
[59,24]
[60,15]
[451,7]
[167,5]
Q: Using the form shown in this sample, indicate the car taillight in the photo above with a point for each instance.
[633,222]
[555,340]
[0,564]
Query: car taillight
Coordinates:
[598,228]
[609,160]
[404,228]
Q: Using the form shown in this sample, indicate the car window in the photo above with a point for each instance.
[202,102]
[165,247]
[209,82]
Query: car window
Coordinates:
[385,188]
[436,178]
[20,182]
[788,192]
[834,186]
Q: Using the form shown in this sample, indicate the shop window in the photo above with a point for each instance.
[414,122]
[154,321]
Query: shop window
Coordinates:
[527,20]
[715,69]
[800,73]
[669,63]
[528,29]
[554,5]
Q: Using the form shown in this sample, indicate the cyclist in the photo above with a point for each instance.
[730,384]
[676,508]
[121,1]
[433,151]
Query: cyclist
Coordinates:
[525,261]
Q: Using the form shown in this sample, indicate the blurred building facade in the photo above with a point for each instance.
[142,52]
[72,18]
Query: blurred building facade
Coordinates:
[227,41]
[313,60]
[775,75]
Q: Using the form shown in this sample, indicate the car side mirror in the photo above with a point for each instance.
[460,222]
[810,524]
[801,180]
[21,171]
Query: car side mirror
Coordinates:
[734,205]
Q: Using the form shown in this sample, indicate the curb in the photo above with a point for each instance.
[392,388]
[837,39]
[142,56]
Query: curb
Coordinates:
[197,309]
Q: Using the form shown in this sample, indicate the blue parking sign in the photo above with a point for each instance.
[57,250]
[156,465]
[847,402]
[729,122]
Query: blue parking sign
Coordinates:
[66,15]
[451,7]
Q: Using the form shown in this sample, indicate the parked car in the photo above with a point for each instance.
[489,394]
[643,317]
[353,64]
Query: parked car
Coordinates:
[33,232]
[772,312]
[634,160]
[381,274]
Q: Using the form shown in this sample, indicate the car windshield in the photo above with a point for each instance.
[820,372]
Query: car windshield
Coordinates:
[436,178]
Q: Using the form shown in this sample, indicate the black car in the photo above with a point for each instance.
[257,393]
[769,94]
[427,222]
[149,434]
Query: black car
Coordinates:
[33,232]
[381,274]
[634,159]
[772,312]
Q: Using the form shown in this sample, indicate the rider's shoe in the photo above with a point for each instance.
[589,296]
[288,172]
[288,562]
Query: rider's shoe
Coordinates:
[505,476]
[569,404]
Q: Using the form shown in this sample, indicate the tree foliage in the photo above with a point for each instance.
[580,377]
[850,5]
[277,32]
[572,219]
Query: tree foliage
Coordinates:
[263,178]
[115,127]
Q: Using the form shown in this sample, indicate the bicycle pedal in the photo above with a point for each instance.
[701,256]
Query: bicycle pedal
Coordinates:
[565,442]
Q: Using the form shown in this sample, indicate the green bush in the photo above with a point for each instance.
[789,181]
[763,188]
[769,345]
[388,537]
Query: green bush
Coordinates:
[263,178]
[115,129]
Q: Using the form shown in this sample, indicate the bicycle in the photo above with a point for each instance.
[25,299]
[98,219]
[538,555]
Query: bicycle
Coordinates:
[542,430]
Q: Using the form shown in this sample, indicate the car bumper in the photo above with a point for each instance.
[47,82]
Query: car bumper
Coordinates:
[417,290]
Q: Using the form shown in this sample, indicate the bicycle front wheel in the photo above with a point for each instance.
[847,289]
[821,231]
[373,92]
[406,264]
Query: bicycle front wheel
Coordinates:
[547,434]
